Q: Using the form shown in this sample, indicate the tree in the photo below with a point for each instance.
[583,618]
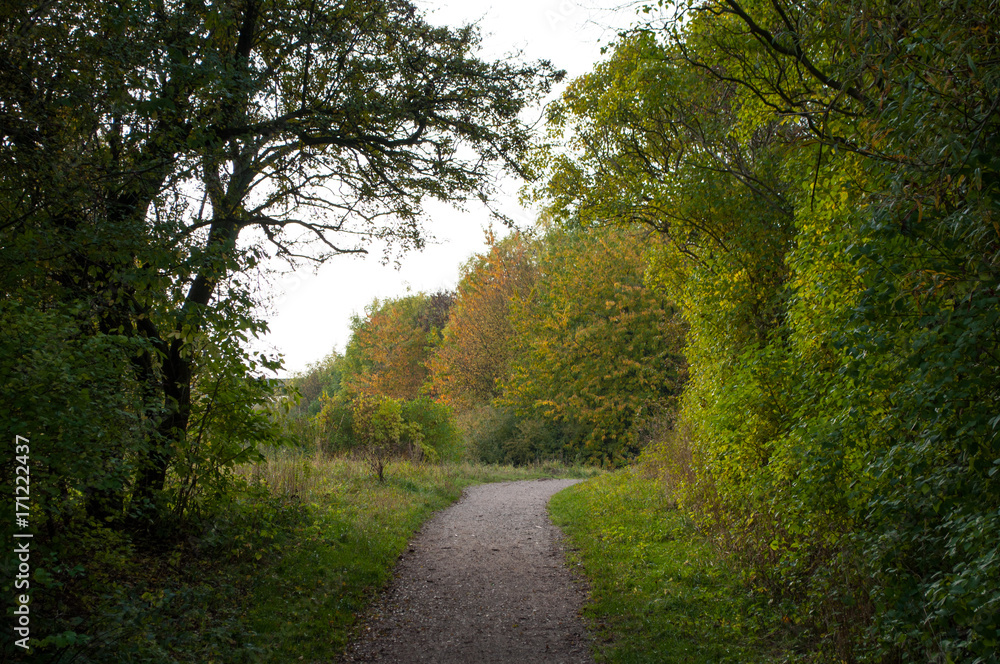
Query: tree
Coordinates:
[821,172]
[378,426]
[897,107]
[322,377]
[596,346]
[474,355]
[650,140]
[390,347]
[154,154]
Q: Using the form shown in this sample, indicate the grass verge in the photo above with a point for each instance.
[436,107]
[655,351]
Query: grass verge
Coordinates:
[276,569]
[659,592]
[328,568]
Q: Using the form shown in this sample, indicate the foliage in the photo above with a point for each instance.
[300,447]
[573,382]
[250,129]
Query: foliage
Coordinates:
[659,591]
[544,359]
[824,177]
[439,438]
[98,597]
[156,156]
[377,425]
[381,427]
[478,342]
[335,423]
[390,346]
[322,377]
[598,349]
[497,435]
[298,402]
[60,390]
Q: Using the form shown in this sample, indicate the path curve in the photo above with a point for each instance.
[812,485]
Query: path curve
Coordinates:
[484,581]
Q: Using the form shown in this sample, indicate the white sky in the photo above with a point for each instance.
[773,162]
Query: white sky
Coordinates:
[311,310]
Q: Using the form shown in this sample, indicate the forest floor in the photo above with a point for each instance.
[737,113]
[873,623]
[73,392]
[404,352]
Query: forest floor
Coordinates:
[483,581]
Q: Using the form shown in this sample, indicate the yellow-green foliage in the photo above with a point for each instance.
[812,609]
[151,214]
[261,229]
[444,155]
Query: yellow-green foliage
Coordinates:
[826,179]
[598,347]
[420,428]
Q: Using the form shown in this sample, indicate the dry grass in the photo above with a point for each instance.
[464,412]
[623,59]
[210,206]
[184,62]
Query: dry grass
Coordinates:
[311,475]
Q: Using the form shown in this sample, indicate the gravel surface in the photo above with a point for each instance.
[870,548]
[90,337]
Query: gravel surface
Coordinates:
[483,581]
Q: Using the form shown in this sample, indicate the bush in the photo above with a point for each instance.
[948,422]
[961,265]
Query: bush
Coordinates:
[335,424]
[382,427]
[440,438]
[497,435]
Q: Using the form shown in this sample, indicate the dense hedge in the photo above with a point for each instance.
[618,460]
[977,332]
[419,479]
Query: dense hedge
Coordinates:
[827,178]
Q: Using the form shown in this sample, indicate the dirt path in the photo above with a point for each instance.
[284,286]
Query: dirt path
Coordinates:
[484,581]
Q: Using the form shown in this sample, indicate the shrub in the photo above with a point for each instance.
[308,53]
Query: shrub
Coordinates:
[498,435]
[439,438]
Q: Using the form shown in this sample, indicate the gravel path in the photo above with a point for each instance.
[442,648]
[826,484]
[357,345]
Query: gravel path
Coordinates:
[483,581]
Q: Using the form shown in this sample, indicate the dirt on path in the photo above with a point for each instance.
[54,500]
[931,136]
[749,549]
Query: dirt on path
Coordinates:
[483,581]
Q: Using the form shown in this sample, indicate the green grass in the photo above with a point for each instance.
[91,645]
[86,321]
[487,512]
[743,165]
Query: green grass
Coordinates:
[659,592]
[277,569]
[325,572]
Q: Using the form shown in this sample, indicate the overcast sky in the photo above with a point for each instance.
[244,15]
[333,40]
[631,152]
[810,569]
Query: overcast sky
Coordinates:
[311,310]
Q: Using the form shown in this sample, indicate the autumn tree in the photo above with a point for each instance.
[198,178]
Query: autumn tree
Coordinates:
[478,342]
[385,366]
[391,345]
[596,346]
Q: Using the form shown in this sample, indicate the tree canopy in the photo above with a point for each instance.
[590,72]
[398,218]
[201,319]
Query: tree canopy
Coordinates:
[478,344]
[156,155]
[594,346]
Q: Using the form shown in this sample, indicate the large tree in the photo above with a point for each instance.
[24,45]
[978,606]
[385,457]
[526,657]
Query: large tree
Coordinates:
[594,345]
[154,154]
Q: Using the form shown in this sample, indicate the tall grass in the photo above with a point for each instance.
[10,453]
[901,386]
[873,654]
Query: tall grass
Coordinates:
[308,475]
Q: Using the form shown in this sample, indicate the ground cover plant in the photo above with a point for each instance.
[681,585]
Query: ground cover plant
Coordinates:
[660,591]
